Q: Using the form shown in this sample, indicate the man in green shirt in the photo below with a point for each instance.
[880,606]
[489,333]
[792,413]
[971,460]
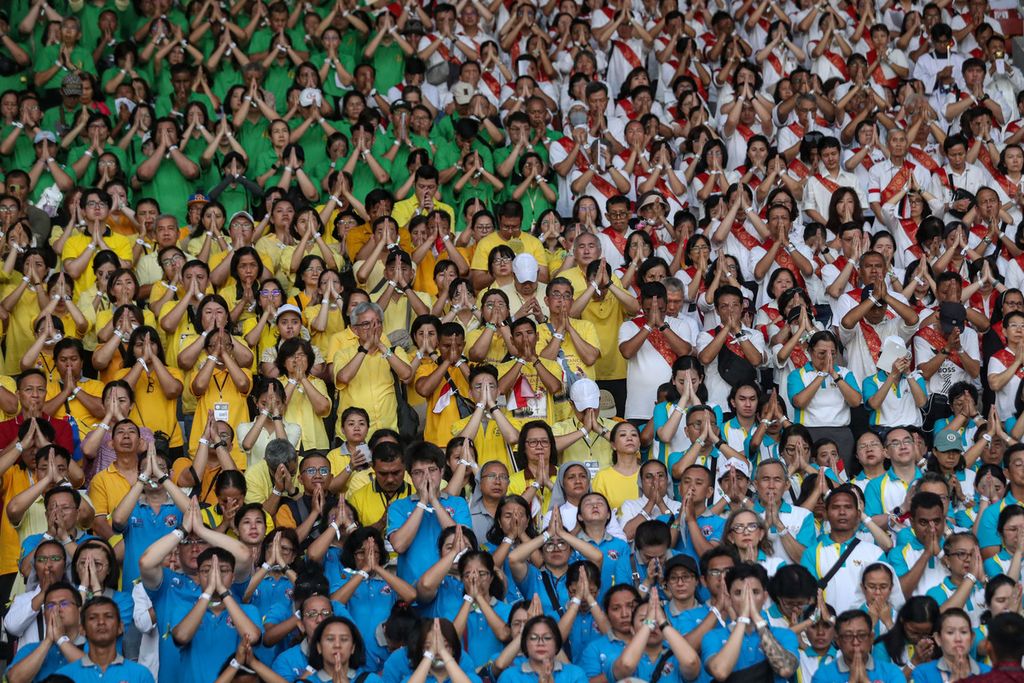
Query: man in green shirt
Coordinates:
[167,172]
[55,61]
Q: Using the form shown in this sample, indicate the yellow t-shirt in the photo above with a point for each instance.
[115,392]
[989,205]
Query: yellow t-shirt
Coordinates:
[490,444]
[153,408]
[86,420]
[606,316]
[14,481]
[598,451]
[300,411]
[616,487]
[359,236]
[19,328]
[517,486]
[542,405]
[107,489]
[335,326]
[221,391]
[404,210]
[371,504]
[77,244]
[440,416]
[373,387]
[496,350]
[524,243]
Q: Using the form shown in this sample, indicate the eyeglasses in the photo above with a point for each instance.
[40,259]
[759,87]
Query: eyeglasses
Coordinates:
[909,441]
[59,603]
[556,545]
[859,635]
[95,204]
[171,260]
[715,573]
[681,577]
[564,296]
[618,214]
[959,554]
[313,613]
[322,471]
[749,526]
[270,292]
[537,638]
[46,559]
[496,477]
[536,443]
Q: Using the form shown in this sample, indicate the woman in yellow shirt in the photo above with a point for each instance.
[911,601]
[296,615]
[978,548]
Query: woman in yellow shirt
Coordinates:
[306,400]
[307,281]
[220,386]
[23,299]
[157,387]
[324,319]
[109,358]
[246,269]
[260,331]
[535,456]
[308,229]
[619,482]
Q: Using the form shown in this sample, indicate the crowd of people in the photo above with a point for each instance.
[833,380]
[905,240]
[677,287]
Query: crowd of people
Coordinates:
[510,341]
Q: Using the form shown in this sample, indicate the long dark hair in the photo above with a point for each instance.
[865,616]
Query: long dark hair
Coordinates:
[919,608]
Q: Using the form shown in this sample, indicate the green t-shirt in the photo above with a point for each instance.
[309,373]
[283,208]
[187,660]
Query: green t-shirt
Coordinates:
[171,189]
[47,57]
[389,61]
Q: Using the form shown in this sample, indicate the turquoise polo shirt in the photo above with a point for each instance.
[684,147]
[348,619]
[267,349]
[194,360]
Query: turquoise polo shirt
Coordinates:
[422,553]
[751,652]
[878,671]
[120,670]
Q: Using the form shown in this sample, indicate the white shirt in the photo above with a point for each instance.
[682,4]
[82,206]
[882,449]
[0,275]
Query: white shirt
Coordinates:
[843,590]
[1005,397]
[21,621]
[632,508]
[817,196]
[648,369]
[858,357]
[949,373]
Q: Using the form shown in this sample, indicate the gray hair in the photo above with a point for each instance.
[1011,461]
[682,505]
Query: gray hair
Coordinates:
[169,216]
[674,284]
[576,242]
[278,452]
[363,307]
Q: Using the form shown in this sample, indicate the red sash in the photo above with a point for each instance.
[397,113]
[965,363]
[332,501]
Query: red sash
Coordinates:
[785,259]
[1009,187]
[618,240]
[492,83]
[838,63]
[694,275]
[1012,127]
[746,131]
[998,329]
[1006,357]
[730,343]
[603,186]
[938,342]
[627,108]
[878,73]
[799,169]
[901,178]
[866,162]
[840,263]
[909,229]
[922,157]
[627,53]
[797,129]
[657,340]
[776,63]
[871,338]
[980,303]
[986,160]
[745,238]
[830,185]
[442,48]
